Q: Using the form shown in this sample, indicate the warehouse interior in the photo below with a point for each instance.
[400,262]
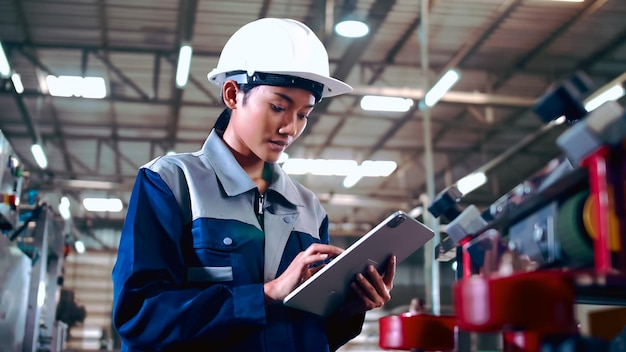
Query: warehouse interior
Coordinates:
[508,55]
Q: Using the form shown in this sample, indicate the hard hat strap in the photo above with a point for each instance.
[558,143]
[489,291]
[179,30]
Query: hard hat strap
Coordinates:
[273,79]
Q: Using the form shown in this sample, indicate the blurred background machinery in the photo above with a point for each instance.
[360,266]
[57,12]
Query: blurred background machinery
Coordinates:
[553,242]
[32,253]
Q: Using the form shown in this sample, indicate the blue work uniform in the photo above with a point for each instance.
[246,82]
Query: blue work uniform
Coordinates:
[197,246]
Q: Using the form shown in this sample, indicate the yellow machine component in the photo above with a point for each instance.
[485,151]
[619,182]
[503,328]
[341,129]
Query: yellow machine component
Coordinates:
[590,220]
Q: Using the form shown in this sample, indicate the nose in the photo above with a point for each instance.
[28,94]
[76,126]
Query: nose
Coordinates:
[289,125]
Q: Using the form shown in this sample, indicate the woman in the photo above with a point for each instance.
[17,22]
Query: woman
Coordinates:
[215,240]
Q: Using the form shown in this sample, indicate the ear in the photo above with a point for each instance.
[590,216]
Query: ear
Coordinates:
[229,93]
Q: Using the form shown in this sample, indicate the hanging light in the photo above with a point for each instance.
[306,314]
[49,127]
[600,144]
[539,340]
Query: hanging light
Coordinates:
[39,155]
[352,26]
[184,65]
[442,86]
[5,68]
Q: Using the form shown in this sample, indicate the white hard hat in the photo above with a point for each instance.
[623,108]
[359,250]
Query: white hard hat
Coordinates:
[275,48]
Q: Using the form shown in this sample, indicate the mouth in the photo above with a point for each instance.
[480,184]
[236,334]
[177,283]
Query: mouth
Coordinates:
[280,143]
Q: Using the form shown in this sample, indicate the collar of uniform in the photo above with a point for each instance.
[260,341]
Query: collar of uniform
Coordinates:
[283,184]
[234,178]
[231,175]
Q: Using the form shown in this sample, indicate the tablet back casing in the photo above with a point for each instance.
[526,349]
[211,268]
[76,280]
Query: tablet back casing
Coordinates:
[325,291]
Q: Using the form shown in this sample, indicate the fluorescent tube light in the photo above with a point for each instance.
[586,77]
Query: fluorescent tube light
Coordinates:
[5,68]
[613,93]
[339,167]
[17,83]
[94,88]
[378,168]
[103,204]
[79,246]
[381,103]
[471,182]
[39,155]
[335,167]
[67,86]
[64,208]
[184,64]
[352,29]
[442,86]
[352,179]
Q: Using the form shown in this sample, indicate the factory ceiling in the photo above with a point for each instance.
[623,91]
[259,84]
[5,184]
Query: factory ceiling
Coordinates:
[509,52]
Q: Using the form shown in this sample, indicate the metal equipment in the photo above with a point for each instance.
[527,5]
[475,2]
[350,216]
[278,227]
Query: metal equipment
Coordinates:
[31,260]
[556,240]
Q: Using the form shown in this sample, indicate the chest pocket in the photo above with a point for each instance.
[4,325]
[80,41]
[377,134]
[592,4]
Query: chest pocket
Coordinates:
[225,251]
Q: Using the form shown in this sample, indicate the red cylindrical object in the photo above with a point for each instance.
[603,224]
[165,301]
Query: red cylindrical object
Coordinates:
[536,301]
[598,189]
[417,331]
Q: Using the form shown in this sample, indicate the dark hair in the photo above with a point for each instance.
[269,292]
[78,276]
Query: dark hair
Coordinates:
[224,118]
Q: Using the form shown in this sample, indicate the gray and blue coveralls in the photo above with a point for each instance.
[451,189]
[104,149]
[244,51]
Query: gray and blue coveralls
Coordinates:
[196,250]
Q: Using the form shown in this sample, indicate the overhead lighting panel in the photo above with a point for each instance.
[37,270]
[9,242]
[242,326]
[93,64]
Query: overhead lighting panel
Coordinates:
[351,28]
[39,155]
[442,86]
[471,182]
[103,204]
[5,68]
[68,86]
[613,93]
[382,103]
[184,65]
[17,83]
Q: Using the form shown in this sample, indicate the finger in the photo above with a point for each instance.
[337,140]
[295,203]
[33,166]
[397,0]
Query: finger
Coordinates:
[390,273]
[369,291]
[364,296]
[332,251]
[376,281]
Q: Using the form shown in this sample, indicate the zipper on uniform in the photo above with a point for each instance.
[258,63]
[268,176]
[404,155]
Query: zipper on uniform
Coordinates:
[259,209]
[259,205]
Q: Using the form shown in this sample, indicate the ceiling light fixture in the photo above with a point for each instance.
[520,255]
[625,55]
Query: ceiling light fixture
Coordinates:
[613,93]
[64,208]
[382,103]
[442,86]
[369,168]
[352,179]
[79,246]
[39,155]
[471,182]
[5,68]
[17,83]
[352,27]
[103,204]
[67,86]
[184,65]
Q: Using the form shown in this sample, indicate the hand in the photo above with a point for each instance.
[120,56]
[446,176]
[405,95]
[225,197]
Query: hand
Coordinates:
[299,270]
[371,289]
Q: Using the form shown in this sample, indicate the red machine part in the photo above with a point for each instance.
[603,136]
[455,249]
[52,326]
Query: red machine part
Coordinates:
[596,165]
[417,331]
[525,306]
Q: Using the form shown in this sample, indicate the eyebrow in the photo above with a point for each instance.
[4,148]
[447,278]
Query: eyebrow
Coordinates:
[290,101]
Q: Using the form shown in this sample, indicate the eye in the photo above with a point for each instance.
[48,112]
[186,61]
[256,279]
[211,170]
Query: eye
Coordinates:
[303,116]
[277,108]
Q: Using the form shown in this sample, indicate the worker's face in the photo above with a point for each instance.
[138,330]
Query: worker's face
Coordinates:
[268,121]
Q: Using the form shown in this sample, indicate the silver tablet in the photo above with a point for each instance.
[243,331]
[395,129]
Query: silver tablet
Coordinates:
[326,290]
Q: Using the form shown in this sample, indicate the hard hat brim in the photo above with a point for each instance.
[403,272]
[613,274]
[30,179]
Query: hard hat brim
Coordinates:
[332,87]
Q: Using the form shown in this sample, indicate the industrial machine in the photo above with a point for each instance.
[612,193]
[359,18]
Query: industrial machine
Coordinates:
[554,241]
[32,252]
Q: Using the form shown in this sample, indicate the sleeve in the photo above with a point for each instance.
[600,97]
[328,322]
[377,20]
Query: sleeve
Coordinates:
[340,328]
[152,309]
